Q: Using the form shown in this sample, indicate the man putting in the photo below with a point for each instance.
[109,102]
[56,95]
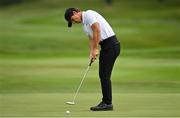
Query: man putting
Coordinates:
[100,33]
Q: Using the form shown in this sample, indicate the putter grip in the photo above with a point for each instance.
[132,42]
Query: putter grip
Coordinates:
[91,62]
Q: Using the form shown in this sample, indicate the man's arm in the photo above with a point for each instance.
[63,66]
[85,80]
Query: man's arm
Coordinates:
[94,42]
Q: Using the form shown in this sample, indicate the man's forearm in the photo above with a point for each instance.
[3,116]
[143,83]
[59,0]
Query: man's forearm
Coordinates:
[91,43]
[94,42]
[96,35]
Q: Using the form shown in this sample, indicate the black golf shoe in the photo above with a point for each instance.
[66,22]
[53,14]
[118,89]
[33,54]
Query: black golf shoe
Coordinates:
[102,107]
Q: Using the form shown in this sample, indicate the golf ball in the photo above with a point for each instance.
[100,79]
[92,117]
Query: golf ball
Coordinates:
[67,112]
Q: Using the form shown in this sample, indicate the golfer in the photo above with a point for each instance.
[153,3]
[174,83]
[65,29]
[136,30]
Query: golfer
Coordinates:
[100,33]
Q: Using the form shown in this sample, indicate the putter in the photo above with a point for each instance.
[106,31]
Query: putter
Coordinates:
[73,102]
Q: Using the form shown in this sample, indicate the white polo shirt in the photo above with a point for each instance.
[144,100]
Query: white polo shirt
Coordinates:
[90,17]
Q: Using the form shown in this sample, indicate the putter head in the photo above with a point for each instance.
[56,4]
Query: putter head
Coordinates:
[70,103]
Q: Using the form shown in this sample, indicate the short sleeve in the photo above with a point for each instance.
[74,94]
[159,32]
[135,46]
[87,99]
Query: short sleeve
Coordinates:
[90,18]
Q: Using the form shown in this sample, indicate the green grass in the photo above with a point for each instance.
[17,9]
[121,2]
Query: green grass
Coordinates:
[39,27]
[42,61]
[125,105]
[64,74]
[40,87]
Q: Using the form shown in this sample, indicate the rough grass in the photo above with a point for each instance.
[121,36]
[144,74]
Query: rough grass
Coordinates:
[39,28]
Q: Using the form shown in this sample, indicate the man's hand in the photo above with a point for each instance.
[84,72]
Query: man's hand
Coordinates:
[94,53]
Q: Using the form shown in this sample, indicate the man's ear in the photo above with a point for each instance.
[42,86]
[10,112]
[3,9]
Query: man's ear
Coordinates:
[74,12]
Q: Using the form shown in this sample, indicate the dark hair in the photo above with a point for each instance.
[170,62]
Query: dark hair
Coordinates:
[69,13]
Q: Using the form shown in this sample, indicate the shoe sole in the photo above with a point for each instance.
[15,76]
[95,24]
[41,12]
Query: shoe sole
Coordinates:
[107,109]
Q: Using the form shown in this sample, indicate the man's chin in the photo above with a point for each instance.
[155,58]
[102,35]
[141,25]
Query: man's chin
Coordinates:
[78,22]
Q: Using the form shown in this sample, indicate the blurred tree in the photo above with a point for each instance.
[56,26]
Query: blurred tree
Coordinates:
[109,2]
[160,1]
[9,2]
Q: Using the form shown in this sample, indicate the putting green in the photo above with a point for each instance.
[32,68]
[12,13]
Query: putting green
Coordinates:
[53,104]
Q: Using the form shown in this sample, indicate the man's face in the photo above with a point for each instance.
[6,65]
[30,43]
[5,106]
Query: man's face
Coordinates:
[76,17]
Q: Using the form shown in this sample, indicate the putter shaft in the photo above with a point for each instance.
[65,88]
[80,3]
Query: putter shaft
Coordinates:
[81,83]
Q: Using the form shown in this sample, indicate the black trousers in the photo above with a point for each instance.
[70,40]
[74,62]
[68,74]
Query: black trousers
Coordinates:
[110,49]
